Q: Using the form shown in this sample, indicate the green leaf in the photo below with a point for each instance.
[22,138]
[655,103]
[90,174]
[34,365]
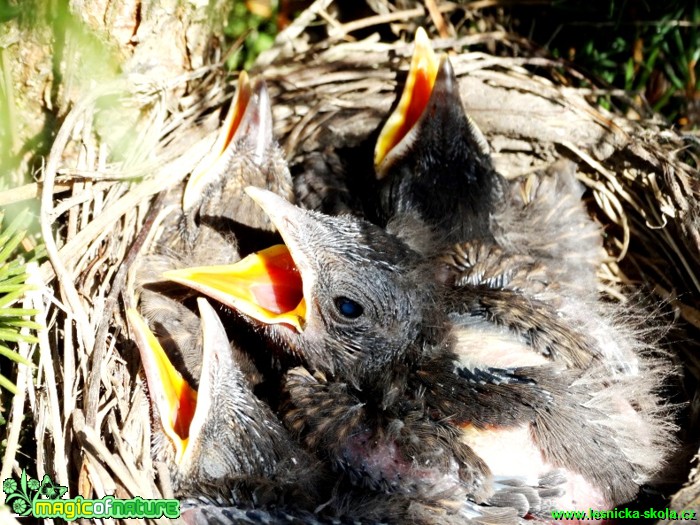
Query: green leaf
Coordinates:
[13,287]
[8,385]
[7,11]
[18,312]
[629,74]
[663,100]
[14,356]
[14,295]
[11,270]
[676,81]
[10,246]
[22,323]
[16,337]
[14,226]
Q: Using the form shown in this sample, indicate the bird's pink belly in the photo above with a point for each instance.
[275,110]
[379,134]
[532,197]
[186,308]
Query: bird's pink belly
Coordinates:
[383,461]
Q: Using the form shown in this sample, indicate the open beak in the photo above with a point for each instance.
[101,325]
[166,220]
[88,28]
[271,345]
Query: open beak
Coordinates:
[172,398]
[181,410]
[249,120]
[414,99]
[430,109]
[266,285]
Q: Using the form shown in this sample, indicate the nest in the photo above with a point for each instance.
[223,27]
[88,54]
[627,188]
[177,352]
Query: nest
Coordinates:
[88,404]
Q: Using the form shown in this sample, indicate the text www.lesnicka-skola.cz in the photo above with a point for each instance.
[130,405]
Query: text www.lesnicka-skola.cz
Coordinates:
[657,514]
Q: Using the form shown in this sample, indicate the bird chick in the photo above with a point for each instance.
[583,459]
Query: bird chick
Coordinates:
[431,159]
[413,385]
[245,153]
[218,224]
[220,441]
[422,353]
[231,461]
[438,187]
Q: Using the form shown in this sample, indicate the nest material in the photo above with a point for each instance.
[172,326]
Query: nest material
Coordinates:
[89,406]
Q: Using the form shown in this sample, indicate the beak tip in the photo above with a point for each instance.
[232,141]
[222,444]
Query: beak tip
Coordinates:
[422,37]
[269,201]
[207,313]
[253,192]
[445,65]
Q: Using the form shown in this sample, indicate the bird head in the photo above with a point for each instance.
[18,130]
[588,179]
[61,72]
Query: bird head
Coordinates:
[244,153]
[343,294]
[248,125]
[207,436]
[430,158]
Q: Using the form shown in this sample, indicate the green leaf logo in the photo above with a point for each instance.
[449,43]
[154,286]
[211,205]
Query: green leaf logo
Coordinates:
[21,495]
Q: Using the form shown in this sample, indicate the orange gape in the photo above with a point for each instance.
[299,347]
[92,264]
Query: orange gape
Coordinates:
[420,88]
[235,114]
[281,290]
[173,397]
[183,412]
[414,99]
[265,285]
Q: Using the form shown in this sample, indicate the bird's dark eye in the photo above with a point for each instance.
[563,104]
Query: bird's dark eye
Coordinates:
[348,308]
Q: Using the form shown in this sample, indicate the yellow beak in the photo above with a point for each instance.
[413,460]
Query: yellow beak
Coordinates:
[214,162]
[174,399]
[265,285]
[414,99]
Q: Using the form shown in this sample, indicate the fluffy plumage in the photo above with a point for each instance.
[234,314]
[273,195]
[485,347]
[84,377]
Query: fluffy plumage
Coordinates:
[460,357]
[413,370]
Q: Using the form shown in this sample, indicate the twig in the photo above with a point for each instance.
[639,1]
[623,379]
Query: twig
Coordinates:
[92,444]
[340,32]
[602,190]
[443,30]
[690,314]
[93,382]
[73,249]
[95,450]
[46,363]
[28,191]
[64,277]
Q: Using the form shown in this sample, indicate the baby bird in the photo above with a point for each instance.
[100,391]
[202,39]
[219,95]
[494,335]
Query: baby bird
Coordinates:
[220,458]
[439,191]
[226,452]
[430,158]
[461,356]
[231,461]
[218,224]
[220,442]
[244,154]
[413,385]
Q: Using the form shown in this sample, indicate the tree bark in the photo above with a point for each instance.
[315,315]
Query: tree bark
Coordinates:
[54,54]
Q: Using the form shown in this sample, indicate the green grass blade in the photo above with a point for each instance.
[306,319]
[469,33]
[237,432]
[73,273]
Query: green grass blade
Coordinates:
[14,356]
[17,312]
[10,247]
[7,233]
[8,385]
[22,323]
[16,337]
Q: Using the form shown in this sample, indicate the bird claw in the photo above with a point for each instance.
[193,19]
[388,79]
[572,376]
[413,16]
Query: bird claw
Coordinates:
[528,498]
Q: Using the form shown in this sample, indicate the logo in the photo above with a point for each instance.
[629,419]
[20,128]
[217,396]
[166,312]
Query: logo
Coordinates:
[44,499]
[21,496]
